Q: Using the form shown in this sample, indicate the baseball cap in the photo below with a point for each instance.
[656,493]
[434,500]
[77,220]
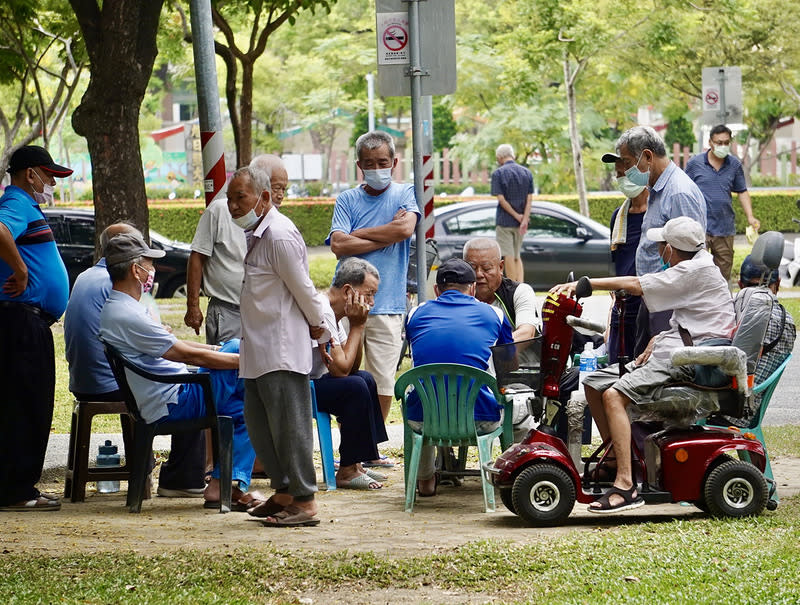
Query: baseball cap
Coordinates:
[610,158]
[682,233]
[751,272]
[455,271]
[127,246]
[31,156]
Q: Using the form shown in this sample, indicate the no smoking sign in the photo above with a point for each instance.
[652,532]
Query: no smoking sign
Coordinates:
[710,99]
[393,31]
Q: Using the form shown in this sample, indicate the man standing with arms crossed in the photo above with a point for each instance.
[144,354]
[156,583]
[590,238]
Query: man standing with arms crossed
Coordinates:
[717,174]
[374,221]
[33,296]
[513,186]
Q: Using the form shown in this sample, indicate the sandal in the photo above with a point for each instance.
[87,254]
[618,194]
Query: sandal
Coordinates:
[43,502]
[381,462]
[291,516]
[265,509]
[359,482]
[246,502]
[629,501]
[373,474]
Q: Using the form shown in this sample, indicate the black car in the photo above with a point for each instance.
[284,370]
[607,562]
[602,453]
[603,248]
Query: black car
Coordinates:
[74,233]
[559,240]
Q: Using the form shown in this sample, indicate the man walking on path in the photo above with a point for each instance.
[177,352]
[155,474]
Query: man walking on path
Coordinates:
[717,174]
[513,186]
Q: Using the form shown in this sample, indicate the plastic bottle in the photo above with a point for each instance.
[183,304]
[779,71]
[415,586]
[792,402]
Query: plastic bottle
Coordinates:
[108,457]
[588,362]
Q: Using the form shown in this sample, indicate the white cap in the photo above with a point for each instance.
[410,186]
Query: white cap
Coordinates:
[682,233]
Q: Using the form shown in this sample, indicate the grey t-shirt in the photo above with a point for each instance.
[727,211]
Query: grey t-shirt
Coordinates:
[224,243]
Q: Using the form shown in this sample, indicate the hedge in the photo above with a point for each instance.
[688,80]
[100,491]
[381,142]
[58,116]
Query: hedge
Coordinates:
[177,219]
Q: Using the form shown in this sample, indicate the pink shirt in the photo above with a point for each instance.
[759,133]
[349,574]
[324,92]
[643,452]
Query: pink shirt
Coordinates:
[278,301]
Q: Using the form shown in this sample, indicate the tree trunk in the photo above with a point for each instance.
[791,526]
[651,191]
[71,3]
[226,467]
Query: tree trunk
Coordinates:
[121,43]
[574,138]
[245,150]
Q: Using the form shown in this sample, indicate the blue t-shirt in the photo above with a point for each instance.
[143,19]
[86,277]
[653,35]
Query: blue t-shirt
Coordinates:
[514,183]
[126,325]
[717,186]
[48,284]
[356,209]
[457,328]
[89,372]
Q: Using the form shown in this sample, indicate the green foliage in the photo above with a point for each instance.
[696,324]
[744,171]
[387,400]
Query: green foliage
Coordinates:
[444,126]
[679,131]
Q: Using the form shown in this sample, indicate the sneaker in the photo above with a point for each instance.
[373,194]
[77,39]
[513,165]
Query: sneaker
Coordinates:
[190,492]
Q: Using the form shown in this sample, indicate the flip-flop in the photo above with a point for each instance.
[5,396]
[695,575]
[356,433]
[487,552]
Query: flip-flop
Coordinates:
[267,508]
[628,501]
[359,482]
[373,474]
[41,503]
[246,502]
[381,462]
[291,516]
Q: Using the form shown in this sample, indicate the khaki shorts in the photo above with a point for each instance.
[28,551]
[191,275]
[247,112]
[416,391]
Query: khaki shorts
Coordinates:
[383,340]
[510,241]
[640,383]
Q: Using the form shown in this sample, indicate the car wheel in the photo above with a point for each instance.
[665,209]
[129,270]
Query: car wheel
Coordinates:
[543,494]
[735,489]
[176,288]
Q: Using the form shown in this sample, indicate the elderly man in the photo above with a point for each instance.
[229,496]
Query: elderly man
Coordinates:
[516,300]
[374,221]
[33,296]
[717,174]
[642,158]
[126,325]
[342,389]
[275,169]
[694,289]
[513,186]
[454,328]
[280,307]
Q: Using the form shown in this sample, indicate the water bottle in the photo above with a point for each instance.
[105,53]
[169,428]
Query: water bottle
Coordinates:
[588,363]
[108,457]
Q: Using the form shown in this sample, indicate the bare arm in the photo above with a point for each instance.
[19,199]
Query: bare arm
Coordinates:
[18,280]
[744,200]
[526,215]
[198,354]
[345,244]
[368,239]
[628,283]
[194,279]
[523,332]
[346,359]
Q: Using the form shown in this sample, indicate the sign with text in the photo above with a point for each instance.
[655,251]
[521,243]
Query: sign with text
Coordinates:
[722,95]
[437,42]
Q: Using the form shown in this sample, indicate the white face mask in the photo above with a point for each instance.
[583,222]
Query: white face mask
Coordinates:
[378,179]
[628,189]
[46,196]
[722,151]
[248,221]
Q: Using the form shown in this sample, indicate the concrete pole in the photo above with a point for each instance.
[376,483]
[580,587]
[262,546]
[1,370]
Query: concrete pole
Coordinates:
[205,70]
[371,100]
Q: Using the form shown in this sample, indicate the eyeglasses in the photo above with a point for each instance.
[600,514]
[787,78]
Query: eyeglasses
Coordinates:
[721,143]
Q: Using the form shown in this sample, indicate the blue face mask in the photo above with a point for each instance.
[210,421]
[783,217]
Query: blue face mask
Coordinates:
[636,176]
[664,264]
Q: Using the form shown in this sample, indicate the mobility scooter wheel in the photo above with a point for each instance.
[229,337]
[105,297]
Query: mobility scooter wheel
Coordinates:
[735,489]
[508,499]
[543,494]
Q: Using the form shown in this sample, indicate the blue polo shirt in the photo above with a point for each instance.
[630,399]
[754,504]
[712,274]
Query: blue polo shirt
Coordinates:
[717,186]
[356,209]
[48,284]
[89,372]
[514,183]
[457,328]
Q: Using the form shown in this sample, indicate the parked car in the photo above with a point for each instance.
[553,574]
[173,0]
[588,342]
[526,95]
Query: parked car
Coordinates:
[559,240]
[74,232]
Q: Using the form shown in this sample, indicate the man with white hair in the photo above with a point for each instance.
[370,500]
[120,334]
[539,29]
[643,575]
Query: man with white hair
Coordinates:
[693,288]
[513,186]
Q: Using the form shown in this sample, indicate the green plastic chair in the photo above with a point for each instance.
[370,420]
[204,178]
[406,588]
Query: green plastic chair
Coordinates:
[448,392]
[766,388]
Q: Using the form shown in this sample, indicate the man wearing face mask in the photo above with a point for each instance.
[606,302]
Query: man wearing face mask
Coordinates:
[33,296]
[374,221]
[642,158]
[626,231]
[717,174]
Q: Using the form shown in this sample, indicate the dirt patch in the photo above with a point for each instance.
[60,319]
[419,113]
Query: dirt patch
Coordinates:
[351,520]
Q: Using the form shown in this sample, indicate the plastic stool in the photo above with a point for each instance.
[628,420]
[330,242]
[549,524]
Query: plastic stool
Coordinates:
[79,473]
[325,441]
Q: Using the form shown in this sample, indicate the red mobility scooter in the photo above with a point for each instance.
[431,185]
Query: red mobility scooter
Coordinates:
[720,470]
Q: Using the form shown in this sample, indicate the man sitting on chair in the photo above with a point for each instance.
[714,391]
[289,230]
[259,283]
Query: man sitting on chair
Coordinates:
[454,328]
[126,325]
